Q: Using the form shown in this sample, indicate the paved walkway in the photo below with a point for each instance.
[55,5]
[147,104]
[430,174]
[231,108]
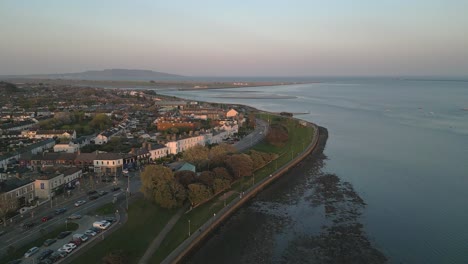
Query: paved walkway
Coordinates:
[157,241]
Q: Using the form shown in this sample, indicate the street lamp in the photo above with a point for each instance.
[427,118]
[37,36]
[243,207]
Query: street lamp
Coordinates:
[189,227]
[66,224]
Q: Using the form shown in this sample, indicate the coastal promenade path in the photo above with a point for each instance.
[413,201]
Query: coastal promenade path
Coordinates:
[160,237]
[178,254]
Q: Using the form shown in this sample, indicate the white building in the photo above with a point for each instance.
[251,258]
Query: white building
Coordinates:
[109,163]
[68,148]
[184,144]
[100,139]
[46,184]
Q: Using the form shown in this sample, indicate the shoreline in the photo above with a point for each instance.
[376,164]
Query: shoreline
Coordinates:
[188,245]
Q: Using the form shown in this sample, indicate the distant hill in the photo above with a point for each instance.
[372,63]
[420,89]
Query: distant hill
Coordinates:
[108,74]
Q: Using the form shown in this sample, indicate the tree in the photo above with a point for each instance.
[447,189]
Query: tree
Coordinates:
[8,204]
[185,177]
[260,159]
[220,185]
[222,173]
[277,135]
[241,165]
[198,193]
[207,178]
[100,122]
[160,186]
[197,155]
[218,154]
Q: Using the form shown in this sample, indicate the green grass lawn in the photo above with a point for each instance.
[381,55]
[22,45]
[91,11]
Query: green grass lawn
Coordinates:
[18,253]
[106,209]
[299,138]
[145,221]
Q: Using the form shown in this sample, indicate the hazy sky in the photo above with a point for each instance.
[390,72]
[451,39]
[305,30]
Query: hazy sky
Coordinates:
[236,38]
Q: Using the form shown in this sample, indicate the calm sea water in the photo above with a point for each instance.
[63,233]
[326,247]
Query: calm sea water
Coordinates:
[403,145]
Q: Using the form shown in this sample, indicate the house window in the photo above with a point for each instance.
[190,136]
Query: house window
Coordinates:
[108,163]
[113,163]
[42,186]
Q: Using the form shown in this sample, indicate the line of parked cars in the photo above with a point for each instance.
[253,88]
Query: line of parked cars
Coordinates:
[49,256]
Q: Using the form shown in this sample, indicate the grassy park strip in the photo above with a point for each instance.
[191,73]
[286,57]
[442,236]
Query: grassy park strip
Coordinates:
[299,137]
[145,221]
[18,253]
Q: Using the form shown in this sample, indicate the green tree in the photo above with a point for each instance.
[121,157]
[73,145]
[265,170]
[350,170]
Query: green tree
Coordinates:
[100,122]
[160,186]
[220,185]
[185,177]
[218,154]
[197,155]
[207,178]
[198,193]
[222,173]
[241,165]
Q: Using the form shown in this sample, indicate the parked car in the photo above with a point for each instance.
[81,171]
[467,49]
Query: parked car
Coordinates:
[90,232]
[60,211]
[46,218]
[110,219]
[93,197]
[70,245]
[49,242]
[101,224]
[54,257]
[44,254]
[65,250]
[114,189]
[101,193]
[28,225]
[81,237]
[63,234]
[75,241]
[92,192]
[74,216]
[95,229]
[80,202]
[31,252]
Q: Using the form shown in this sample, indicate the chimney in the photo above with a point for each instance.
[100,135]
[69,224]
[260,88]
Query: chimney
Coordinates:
[133,151]
[18,176]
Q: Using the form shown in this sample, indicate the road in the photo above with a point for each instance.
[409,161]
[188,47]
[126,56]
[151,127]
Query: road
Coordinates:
[261,129]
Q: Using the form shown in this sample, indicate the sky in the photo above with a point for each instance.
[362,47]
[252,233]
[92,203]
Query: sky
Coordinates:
[237,38]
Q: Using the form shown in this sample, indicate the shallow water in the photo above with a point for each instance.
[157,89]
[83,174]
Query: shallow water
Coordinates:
[403,146]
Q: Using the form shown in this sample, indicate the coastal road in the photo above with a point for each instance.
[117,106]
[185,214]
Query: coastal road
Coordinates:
[261,129]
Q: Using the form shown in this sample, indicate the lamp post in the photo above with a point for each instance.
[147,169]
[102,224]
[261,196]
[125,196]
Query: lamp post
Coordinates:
[66,225]
[189,227]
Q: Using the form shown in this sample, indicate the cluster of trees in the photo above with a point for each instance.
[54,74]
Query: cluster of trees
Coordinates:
[219,167]
[76,120]
[277,135]
[8,205]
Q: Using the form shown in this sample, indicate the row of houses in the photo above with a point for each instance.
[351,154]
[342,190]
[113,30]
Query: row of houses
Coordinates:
[25,189]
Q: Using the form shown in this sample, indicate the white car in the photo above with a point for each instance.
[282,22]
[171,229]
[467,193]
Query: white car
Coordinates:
[80,202]
[66,250]
[69,245]
[31,252]
[90,233]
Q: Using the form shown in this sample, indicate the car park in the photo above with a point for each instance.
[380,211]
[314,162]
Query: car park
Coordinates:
[60,211]
[31,252]
[76,241]
[80,202]
[64,234]
[44,254]
[101,224]
[95,229]
[74,216]
[46,218]
[49,242]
